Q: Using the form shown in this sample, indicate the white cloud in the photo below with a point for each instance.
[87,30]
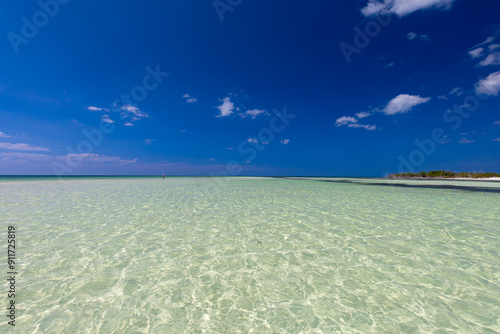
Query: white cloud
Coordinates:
[411,36]
[21,147]
[442,97]
[496,122]
[134,112]
[3,135]
[403,103]
[465,141]
[345,120]
[226,108]
[493,47]
[252,140]
[492,59]
[352,122]
[149,141]
[255,112]
[496,139]
[105,118]
[128,124]
[189,98]
[363,114]
[99,158]
[92,108]
[400,104]
[285,141]
[456,91]
[76,122]
[127,110]
[487,41]
[364,126]
[490,85]
[25,156]
[402,7]
[374,8]
[478,52]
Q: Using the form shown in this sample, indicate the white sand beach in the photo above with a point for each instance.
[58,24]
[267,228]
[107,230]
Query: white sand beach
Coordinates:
[477,179]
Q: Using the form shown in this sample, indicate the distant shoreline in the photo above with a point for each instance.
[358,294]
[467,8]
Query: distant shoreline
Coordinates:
[447,178]
[446,175]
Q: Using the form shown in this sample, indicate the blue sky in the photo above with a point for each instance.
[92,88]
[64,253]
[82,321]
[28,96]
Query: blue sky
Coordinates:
[340,88]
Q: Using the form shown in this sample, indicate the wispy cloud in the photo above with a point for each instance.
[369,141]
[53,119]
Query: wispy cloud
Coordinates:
[478,52]
[400,104]
[487,41]
[105,118]
[496,122]
[496,139]
[285,141]
[412,36]
[252,140]
[133,112]
[344,120]
[126,110]
[352,122]
[76,122]
[402,7]
[149,141]
[493,47]
[97,158]
[403,103]
[363,114]
[226,108]
[100,158]
[22,147]
[92,108]
[255,112]
[189,98]
[491,59]
[456,91]
[3,135]
[465,141]
[363,126]
[491,56]
[490,85]
[25,156]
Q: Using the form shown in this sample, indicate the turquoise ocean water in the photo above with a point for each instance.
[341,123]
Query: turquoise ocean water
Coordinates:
[252,255]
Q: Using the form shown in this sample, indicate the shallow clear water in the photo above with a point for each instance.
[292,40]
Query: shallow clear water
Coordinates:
[243,255]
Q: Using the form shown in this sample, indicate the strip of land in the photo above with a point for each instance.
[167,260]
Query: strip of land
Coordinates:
[441,174]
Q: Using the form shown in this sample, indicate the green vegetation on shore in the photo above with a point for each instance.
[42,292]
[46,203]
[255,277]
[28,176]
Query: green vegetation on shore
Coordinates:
[441,174]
